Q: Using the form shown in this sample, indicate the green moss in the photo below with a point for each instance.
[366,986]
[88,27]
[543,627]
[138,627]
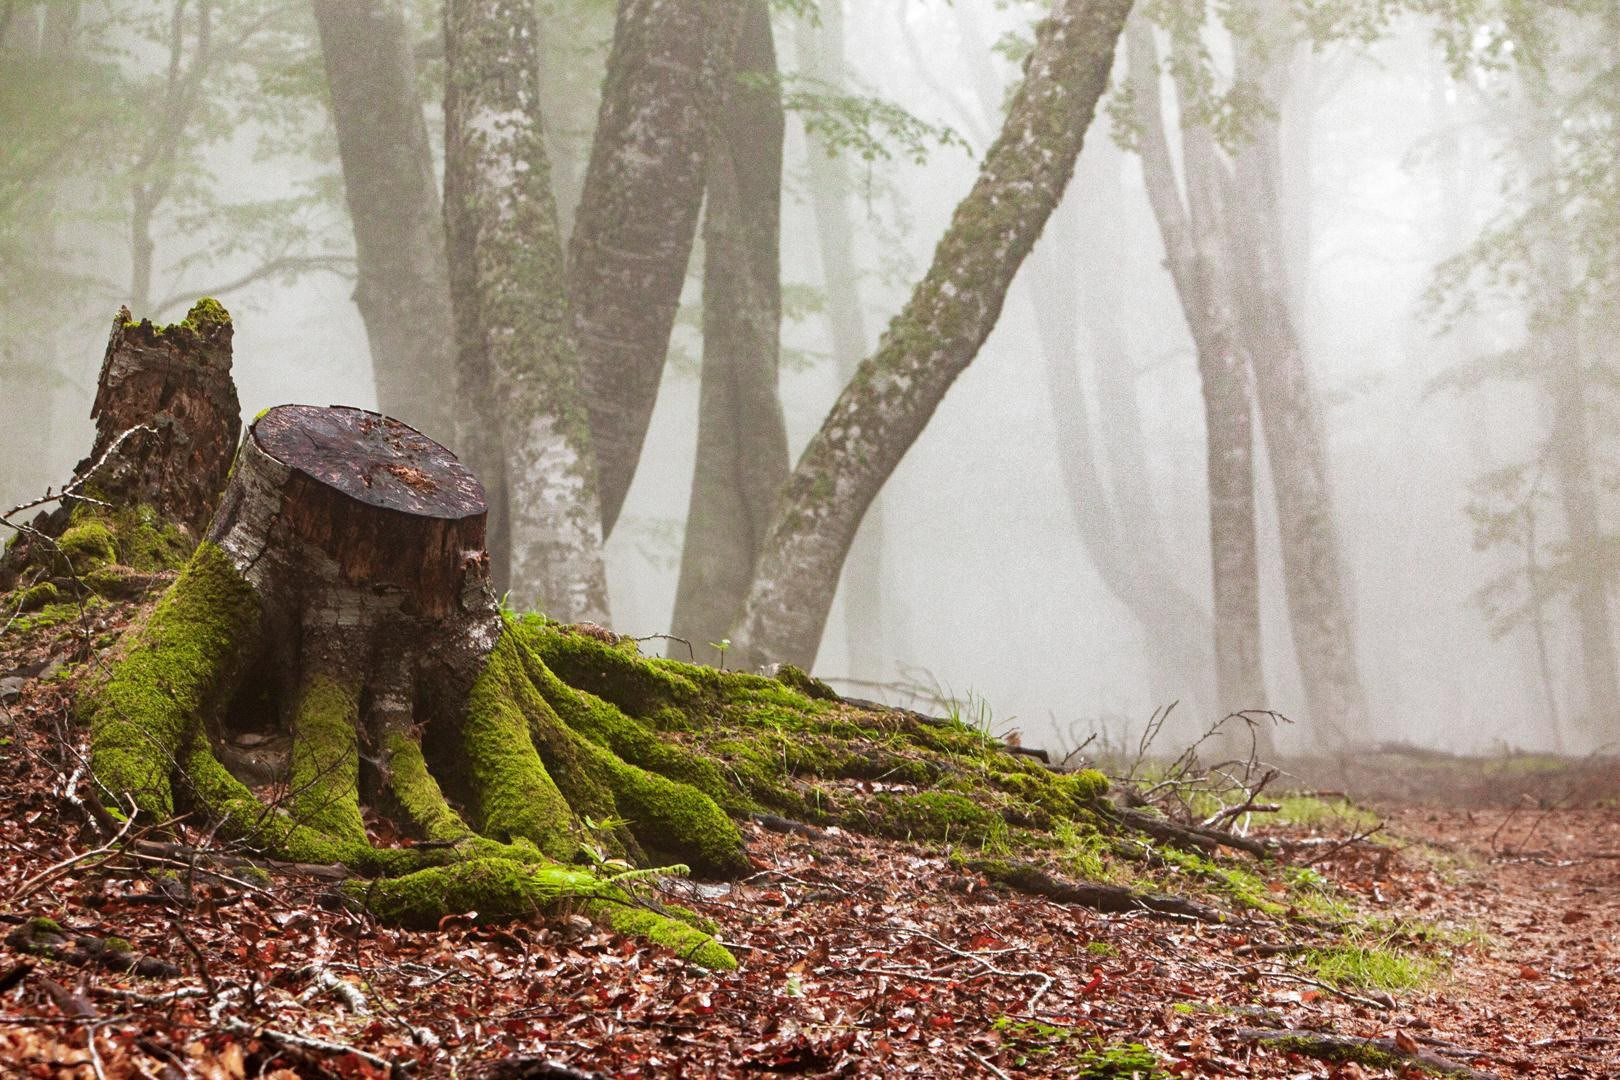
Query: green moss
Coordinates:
[938,815]
[503,888]
[42,595]
[1246,888]
[205,315]
[324,783]
[41,925]
[1031,1041]
[516,797]
[1367,1053]
[417,792]
[87,546]
[179,669]
[117,945]
[805,683]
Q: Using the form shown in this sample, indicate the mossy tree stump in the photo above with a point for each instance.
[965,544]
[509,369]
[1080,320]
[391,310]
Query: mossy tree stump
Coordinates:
[167,424]
[334,645]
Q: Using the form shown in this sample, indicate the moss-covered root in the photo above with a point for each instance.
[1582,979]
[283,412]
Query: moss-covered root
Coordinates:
[538,771]
[174,672]
[324,786]
[504,888]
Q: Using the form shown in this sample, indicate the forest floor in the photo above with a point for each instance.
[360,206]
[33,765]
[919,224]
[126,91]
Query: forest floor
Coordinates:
[1486,894]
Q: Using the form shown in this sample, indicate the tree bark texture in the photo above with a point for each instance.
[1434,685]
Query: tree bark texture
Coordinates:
[1193,236]
[868,632]
[887,403]
[403,291]
[1315,583]
[638,214]
[518,371]
[167,423]
[742,450]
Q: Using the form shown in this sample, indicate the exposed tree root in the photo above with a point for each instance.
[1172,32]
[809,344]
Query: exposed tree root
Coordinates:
[1026,877]
[43,937]
[1379,1053]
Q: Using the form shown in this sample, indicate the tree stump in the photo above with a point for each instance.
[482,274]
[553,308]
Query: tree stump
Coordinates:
[167,424]
[334,646]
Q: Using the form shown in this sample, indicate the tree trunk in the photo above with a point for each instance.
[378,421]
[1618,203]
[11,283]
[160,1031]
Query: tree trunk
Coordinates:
[1193,240]
[742,451]
[1562,377]
[515,359]
[403,291]
[867,631]
[895,391]
[638,213]
[1296,443]
[1127,557]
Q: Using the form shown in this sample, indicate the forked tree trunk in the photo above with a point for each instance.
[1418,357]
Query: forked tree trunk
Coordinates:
[167,422]
[638,214]
[516,361]
[1194,253]
[1320,612]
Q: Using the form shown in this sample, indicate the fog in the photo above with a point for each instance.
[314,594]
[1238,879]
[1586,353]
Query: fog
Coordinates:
[1393,164]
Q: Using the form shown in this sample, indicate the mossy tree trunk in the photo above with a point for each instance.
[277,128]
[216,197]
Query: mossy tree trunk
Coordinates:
[167,423]
[517,368]
[931,342]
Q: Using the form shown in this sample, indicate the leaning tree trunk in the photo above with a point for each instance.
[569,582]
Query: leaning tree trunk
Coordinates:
[742,447]
[167,422]
[892,395]
[334,646]
[403,292]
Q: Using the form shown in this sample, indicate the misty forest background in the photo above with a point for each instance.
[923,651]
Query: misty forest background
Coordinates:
[1395,223]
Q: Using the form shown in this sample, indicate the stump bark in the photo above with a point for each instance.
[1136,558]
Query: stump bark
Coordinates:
[167,423]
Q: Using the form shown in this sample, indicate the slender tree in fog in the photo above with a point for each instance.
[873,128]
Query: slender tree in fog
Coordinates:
[515,360]
[742,450]
[895,391]
[393,198]
[1319,611]
[1195,244]
[638,213]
